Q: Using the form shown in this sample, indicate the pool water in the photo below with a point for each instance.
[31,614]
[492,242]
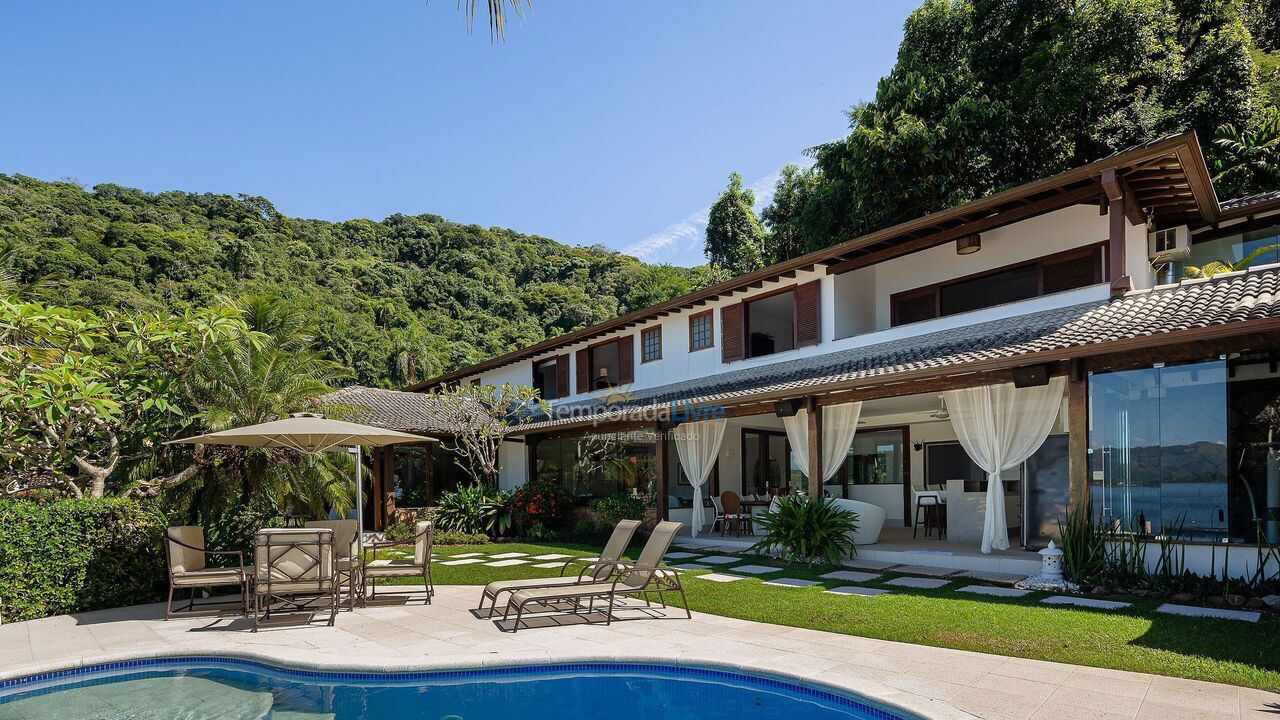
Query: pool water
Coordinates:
[197,689]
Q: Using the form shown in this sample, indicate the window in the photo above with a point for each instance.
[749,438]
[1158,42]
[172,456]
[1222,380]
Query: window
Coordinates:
[601,465]
[604,366]
[1235,246]
[545,379]
[651,345]
[700,331]
[771,324]
[1051,274]
[766,463]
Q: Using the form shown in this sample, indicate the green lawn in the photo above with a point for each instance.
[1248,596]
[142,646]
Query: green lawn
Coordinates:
[1136,639]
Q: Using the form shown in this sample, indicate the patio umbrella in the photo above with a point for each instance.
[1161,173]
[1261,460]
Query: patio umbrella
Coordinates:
[311,433]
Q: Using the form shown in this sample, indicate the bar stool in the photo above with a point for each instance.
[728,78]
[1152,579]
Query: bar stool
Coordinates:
[931,511]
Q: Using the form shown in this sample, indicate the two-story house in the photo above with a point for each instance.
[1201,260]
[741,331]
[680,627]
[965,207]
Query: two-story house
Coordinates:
[1106,383]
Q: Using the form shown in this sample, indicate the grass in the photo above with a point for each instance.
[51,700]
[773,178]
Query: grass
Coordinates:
[1136,639]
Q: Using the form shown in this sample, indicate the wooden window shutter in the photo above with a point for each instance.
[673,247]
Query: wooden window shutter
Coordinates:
[583,370]
[807,305]
[915,306]
[626,359]
[732,333]
[562,376]
[1071,273]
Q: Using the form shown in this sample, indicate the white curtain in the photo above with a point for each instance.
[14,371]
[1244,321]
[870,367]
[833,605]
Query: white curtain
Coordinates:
[1000,426]
[698,446]
[839,424]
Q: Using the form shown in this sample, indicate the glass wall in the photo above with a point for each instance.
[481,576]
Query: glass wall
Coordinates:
[1187,450]
[423,472]
[877,457]
[601,465]
[1235,247]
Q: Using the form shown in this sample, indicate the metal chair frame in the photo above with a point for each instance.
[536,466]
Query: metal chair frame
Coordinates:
[192,608]
[293,599]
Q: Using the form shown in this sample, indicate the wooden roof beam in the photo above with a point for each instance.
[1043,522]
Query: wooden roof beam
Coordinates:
[1117,189]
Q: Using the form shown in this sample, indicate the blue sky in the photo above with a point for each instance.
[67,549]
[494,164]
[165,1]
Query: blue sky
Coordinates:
[595,122]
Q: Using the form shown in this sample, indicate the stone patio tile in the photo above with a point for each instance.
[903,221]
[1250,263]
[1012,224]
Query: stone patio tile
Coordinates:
[988,702]
[791,582]
[850,576]
[1085,602]
[505,563]
[504,556]
[1097,700]
[1152,710]
[681,555]
[467,555]
[690,566]
[994,591]
[992,576]
[550,556]
[1114,682]
[868,564]
[926,570]
[855,590]
[549,565]
[720,559]
[1039,670]
[464,561]
[919,583]
[1030,689]
[1205,612]
[720,577]
[756,569]
[1051,710]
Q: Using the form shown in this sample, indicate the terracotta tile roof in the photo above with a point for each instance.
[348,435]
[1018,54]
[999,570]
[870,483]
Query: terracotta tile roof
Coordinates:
[1251,200]
[392,409]
[1229,298]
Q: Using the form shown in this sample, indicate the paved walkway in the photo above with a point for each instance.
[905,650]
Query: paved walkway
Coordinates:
[933,682]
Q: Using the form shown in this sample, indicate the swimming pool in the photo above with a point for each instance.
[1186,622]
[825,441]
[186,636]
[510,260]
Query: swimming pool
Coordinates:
[234,689]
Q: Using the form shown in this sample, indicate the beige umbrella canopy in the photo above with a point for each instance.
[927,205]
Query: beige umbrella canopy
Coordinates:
[310,433]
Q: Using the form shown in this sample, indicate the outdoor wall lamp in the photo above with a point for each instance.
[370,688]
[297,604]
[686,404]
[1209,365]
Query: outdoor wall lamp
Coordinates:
[969,244]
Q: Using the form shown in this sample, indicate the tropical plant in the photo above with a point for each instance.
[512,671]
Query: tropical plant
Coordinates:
[1084,546]
[481,417]
[811,530]
[475,508]
[541,501]
[618,507]
[497,14]
[1249,158]
[1218,267]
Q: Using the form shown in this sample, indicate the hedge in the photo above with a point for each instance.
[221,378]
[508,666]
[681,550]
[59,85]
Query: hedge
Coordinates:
[68,556]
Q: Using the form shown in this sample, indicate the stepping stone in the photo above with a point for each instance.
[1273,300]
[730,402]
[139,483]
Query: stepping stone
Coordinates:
[505,563]
[720,559]
[855,590]
[549,565]
[464,561]
[690,566]
[792,582]
[466,555]
[720,577]
[756,569]
[868,564]
[550,556]
[1085,602]
[1218,613]
[995,577]
[994,591]
[504,556]
[680,555]
[849,576]
[919,583]
[926,570]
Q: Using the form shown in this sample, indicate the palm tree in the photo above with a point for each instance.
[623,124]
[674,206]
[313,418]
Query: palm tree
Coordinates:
[497,14]
[1249,160]
[1217,267]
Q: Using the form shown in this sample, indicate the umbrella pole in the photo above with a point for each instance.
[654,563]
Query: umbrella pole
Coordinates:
[359,505]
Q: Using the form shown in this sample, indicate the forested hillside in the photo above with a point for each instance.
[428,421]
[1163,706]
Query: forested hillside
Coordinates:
[400,299]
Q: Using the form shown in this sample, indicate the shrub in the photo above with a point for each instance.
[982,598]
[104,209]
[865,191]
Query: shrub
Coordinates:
[475,509]
[76,555]
[618,507]
[403,532]
[808,530]
[540,502]
[1084,547]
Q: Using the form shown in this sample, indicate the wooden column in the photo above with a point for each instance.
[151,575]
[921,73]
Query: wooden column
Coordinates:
[375,484]
[815,446]
[663,491]
[1122,208]
[1078,439]
[388,485]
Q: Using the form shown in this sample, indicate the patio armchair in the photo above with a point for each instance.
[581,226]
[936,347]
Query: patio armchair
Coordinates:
[642,579]
[186,559]
[294,571]
[344,552]
[419,564]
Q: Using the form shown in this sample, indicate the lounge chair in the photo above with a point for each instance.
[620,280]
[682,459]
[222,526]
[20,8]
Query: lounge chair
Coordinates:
[294,570]
[187,561]
[344,551]
[418,565]
[642,579]
[596,569]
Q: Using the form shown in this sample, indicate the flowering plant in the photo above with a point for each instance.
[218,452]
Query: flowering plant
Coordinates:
[540,502]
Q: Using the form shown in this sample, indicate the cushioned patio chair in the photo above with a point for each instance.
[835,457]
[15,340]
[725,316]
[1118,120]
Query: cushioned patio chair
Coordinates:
[186,558]
[595,570]
[419,564]
[294,571]
[642,579]
[344,554]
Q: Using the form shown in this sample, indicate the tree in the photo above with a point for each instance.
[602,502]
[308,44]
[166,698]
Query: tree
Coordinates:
[1248,159]
[735,237]
[1226,265]
[497,14]
[482,416]
[792,193]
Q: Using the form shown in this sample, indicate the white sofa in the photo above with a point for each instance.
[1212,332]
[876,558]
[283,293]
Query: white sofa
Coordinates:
[870,520]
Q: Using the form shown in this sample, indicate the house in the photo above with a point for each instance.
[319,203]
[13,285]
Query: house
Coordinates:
[1156,399]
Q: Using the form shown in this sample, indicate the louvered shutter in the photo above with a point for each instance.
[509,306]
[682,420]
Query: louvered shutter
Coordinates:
[1071,273]
[807,305]
[626,359]
[582,371]
[915,307]
[732,345]
[562,376]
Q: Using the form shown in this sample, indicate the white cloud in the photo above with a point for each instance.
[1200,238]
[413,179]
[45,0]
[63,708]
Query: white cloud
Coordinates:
[681,242]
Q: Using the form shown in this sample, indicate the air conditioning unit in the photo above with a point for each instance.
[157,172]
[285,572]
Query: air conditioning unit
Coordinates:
[1170,244]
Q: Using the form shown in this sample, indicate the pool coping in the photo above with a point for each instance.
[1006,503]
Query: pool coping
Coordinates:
[913,709]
